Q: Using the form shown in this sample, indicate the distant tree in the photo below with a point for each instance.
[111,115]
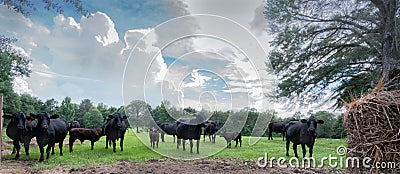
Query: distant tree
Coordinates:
[93,118]
[138,113]
[51,106]
[84,107]
[67,109]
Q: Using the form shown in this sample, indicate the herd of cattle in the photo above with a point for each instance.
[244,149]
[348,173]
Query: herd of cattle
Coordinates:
[50,130]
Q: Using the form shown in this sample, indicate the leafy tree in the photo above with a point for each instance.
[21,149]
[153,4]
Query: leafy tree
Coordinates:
[25,6]
[84,107]
[51,106]
[93,118]
[138,113]
[67,109]
[340,46]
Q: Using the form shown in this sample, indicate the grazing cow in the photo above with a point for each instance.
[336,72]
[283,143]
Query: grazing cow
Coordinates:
[211,127]
[83,134]
[229,136]
[278,127]
[73,124]
[20,130]
[154,137]
[302,132]
[190,129]
[49,130]
[115,129]
[168,128]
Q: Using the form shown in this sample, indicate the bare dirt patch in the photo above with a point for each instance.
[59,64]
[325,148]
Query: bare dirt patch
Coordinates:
[164,165]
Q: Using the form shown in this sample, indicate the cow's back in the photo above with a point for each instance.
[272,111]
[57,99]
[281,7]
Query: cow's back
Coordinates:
[60,129]
[185,131]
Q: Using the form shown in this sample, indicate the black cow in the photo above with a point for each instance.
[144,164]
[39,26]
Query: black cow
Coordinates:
[20,130]
[211,127]
[229,136]
[278,127]
[168,128]
[190,129]
[83,134]
[49,130]
[115,129]
[73,124]
[302,132]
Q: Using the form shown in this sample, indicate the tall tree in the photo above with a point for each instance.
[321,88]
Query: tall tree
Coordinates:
[338,46]
[84,107]
[67,109]
[138,113]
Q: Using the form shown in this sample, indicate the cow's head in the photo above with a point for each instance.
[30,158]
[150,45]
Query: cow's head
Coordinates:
[43,120]
[117,119]
[312,123]
[18,118]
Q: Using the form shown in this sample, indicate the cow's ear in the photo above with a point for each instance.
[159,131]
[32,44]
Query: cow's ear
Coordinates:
[303,120]
[320,121]
[55,116]
[124,117]
[7,116]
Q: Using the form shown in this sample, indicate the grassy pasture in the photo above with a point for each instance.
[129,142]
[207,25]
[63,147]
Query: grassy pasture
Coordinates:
[136,151]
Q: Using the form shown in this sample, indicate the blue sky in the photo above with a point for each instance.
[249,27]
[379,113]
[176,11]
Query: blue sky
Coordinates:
[96,57]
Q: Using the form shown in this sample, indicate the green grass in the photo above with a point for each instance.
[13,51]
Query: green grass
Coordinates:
[136,151]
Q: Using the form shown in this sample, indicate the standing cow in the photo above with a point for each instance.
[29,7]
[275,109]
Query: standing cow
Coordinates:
[49,130]
[115,129]
[20,129]
[190,129]
[302,132]
[154,137]
[211,127]
[168,128]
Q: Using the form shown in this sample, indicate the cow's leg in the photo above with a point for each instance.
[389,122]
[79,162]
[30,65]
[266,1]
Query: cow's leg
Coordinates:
[178,142]
[287,147]
[311,149]
[26,146]
[48,149]
[270,135]
[174,138]
[52,150]
[41,149]
[60,146]
[183,144]
[121,143]
[303,148]
[106,142]
[197,146]
[17,148]
[162,137]
[283,136]
[191,146]
[92,144]
[236,143]
[13,150]
[209,137]
[240,140]
[295,150]
[71,144]
[114,144]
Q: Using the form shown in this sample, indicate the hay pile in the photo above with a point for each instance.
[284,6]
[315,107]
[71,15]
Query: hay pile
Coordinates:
[373,129]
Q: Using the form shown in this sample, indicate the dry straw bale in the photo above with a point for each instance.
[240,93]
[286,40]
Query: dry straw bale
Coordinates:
[373,129]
